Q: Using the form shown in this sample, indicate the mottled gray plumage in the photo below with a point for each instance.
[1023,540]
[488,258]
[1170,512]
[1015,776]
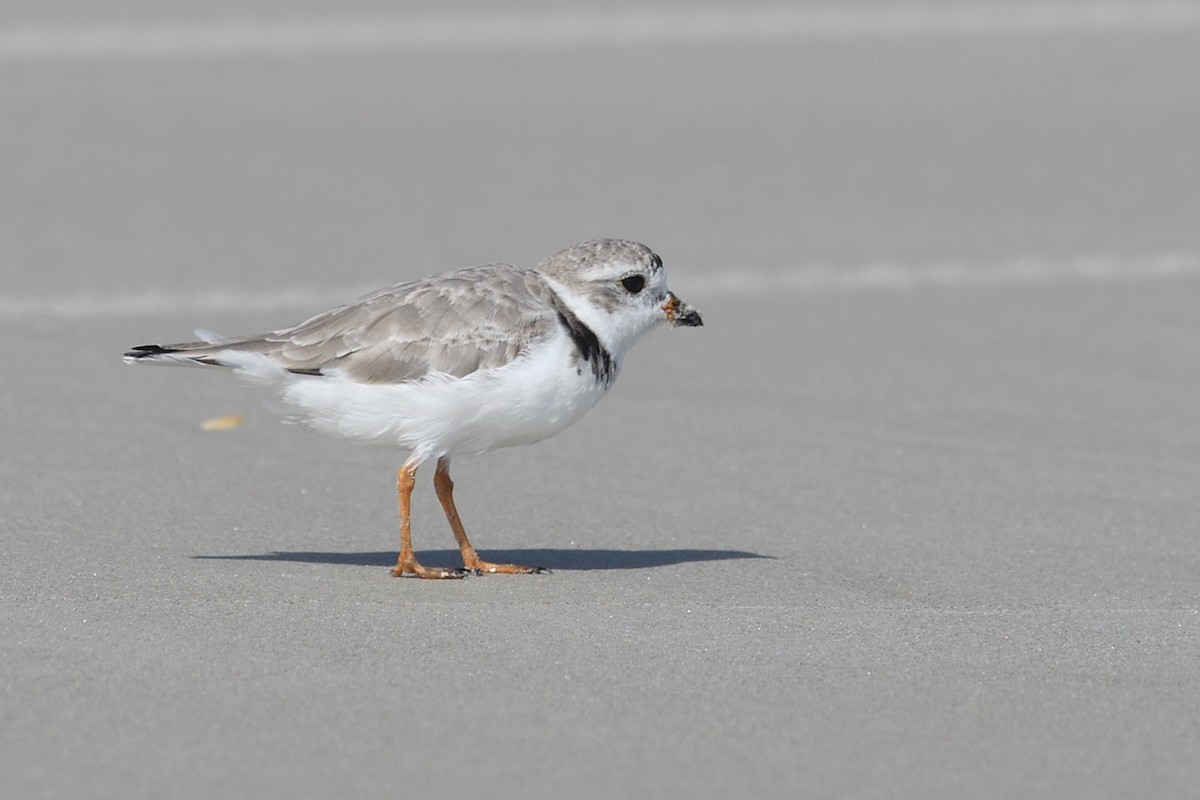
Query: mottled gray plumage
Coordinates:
[570,266]
[454,323]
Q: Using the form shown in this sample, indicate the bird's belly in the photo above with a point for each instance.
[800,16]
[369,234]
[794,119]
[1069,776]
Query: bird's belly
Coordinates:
[525,401]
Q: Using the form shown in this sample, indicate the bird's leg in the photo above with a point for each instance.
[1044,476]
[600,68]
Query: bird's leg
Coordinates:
[407,563]
[445,493]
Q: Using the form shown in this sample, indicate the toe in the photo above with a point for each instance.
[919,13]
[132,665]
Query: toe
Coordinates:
[427,573]
[487,568]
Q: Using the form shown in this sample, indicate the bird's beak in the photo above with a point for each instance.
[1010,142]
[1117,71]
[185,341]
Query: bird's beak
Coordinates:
[680,313]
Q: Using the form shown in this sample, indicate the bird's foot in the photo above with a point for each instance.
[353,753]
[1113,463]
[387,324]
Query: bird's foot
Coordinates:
[411,567]
[480,567]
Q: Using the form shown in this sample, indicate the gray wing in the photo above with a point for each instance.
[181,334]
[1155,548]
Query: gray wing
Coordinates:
[454,323]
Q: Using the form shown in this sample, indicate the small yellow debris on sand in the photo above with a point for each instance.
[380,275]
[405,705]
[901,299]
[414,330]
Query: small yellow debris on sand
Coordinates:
[225,423]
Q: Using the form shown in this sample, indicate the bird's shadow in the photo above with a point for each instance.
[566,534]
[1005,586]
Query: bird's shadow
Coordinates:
[549,558]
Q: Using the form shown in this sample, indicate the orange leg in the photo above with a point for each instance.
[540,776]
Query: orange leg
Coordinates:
[407,563]
[445,493]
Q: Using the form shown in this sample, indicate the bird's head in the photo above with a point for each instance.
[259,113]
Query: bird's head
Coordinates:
[619,289]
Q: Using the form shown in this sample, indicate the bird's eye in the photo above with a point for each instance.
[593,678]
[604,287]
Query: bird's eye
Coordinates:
[633,283]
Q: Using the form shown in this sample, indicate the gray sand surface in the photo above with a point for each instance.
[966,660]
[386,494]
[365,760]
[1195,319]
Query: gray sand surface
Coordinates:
[913,515]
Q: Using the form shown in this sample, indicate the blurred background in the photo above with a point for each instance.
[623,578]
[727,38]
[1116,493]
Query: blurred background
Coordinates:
[182,146]
[948,259]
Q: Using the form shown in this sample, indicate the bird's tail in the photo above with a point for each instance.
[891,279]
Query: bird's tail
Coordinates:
[210,351]
[249,357]
[184,354]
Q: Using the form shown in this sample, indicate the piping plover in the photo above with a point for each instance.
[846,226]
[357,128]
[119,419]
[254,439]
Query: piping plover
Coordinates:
[458,363]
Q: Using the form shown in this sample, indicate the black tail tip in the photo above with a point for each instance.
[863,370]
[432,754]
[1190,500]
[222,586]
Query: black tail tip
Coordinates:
[147,350]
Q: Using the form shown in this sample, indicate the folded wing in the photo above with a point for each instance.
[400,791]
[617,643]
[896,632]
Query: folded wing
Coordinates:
[456,323]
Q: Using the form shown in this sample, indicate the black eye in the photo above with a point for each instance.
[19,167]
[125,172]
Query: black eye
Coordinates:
[633,284]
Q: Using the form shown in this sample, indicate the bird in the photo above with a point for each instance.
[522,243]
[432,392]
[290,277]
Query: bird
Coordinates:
[456,364]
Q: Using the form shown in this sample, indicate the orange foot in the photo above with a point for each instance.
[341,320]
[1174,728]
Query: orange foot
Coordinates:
[429,573]
[480,567]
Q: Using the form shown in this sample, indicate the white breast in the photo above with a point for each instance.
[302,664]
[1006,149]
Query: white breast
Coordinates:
[525,401]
